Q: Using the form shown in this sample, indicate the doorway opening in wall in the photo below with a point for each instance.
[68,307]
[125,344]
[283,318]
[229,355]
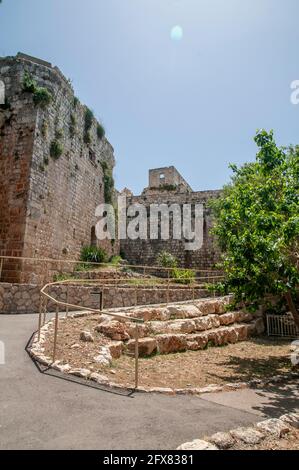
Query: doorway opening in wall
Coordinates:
[93,237]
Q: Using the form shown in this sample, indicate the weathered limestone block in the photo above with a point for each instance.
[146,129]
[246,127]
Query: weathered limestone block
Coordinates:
[197,444]
[104,358]
[86,336]
[223,440]
[197,341]
[206,323]
[243,332]
[116,349]
[175,326]
[147,346]
[228,318]
[244,317]
[114,330]
[169,343]
[276,427]
[247,435]
[143,329]
[184,311]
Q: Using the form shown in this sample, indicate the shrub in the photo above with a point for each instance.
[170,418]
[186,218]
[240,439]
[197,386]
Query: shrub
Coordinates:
[73,125]
[56,149]
[166,260]
[100,131]
[88,120]
[42,97]
[115,260]
[87,137]
[108,183]
[59,134]
[183,276]
[29,84]
[93,254]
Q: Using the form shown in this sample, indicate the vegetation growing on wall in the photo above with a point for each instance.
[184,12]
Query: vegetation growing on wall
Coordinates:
[93,254]
[100,131]
[88,120]
[165,187]
[166,260]
[56,149]
[73,125]
[41,96]
[257,225]
[108,183]
[181,276]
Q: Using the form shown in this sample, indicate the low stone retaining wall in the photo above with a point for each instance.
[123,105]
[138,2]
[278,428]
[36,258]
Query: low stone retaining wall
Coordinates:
[251,436]
[166,329]
[25,298]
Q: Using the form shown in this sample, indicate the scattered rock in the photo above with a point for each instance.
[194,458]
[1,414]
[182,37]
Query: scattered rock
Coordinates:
[247,435]
[147,346]
[114,330]
[116,349]
[276,427]
[86,336]
[291,418]
[104,358]
[223,440]
[197,444]
[169,343]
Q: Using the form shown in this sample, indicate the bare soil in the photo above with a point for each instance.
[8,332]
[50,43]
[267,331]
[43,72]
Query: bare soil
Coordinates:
[256,358]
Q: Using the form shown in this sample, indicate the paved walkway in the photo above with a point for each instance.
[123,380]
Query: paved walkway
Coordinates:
[46,411]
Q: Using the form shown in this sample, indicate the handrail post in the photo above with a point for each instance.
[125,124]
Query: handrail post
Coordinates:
[102,300]
[1,267]
[40,316]
[55,333]
[136,356]
[67,302]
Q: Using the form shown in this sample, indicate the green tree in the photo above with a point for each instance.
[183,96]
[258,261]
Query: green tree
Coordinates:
[257,225]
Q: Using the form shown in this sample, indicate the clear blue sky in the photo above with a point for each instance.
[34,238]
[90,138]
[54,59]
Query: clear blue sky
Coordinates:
[194,103]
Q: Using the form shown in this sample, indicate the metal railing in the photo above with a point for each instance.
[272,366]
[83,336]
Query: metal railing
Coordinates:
[282,325]
[43,310]
[163,284]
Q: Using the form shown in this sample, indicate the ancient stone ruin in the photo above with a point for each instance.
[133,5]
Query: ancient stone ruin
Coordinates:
[167,186]
[53,157]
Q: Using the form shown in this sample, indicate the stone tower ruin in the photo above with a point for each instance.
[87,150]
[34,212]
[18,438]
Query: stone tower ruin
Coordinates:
[167,186]
[53,157]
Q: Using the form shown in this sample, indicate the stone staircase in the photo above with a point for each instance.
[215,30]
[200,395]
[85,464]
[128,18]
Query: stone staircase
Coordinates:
[179,327]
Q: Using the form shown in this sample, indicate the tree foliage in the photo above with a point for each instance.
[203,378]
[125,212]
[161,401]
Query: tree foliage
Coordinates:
[257,225]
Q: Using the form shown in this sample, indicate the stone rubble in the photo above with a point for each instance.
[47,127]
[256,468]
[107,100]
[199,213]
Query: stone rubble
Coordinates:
[250,436]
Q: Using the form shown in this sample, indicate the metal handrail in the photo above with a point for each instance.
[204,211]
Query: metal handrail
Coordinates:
[104,283]
[68,261]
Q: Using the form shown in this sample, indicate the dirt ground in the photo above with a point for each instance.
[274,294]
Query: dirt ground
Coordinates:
[257,358]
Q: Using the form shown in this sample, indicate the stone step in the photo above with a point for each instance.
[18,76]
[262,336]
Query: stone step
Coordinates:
[172,343]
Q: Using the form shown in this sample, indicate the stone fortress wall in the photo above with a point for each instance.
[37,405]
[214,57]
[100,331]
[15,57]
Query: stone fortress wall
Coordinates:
[169,189]
[47,205]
